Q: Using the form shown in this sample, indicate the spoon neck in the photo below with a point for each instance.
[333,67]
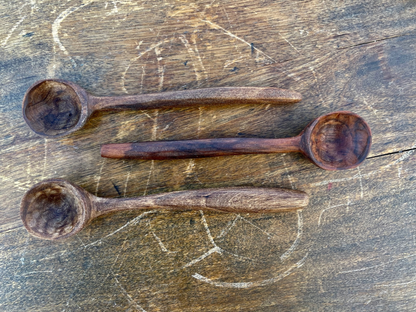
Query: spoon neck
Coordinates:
[287,145]
[108,205]
[117,102]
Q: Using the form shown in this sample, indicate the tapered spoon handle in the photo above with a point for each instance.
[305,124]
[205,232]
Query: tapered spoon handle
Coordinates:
[235,199]
[207,96]
[199,148]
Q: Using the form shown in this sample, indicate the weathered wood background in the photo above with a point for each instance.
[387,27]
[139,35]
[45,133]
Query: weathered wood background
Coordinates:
[353,248]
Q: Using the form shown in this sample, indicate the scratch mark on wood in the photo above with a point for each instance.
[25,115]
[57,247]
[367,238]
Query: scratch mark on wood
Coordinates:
[57,24]
[152,47]
[129,298]
[360,178]
[205,223]
[159,241]
[209,252]
[228,63]
[193,38]
[349,203]
[152,167]
[297,240]
[154,128]
[287,172]
[160,68]
[34,272]
[289,42]
[142,78]
[125,184]
[226,14]
[228,33]
[12,30]
[82,243]
[228,227]
[134,221]
[98,178]
[257,227]
[312,69]
[45,158]
[22,258]
[265,282]
[199,121]
[215,249]
[398,284]
[370,107]
[52,65]
[192,54]
[114,263]
[190,167]
[376,266]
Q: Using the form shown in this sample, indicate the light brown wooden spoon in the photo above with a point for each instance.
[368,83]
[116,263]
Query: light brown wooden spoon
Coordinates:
[56,209]
[336,141]
[55,108]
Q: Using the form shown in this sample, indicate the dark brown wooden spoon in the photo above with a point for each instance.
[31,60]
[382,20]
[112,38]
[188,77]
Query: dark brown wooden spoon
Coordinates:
[56,209]
[54,108]
[336,141]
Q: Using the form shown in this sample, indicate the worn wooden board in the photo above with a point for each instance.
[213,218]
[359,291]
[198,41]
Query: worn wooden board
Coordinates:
[352,248]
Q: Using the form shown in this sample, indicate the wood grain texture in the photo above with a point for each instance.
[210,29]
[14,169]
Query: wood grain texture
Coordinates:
[353,248]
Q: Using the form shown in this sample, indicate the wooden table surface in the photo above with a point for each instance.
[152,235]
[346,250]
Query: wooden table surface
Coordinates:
[352,248]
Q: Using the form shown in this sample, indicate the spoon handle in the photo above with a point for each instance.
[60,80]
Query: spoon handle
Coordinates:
[235,199]
[208,96]
[199,148]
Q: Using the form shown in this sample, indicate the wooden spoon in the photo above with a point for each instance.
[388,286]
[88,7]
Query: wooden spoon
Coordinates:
[336,141]
[54,108]
[56,209]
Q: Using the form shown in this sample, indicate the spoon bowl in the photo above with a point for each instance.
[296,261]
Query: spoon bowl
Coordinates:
[55,108]
[55,209]
[337,141]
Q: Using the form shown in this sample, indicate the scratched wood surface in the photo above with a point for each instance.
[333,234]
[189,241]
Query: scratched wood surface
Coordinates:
[352,248]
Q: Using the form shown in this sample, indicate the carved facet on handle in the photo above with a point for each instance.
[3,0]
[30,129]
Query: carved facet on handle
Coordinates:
[56,209]
[230,199]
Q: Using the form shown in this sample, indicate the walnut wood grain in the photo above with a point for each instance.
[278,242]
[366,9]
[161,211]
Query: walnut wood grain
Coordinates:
[56,209]
[336,141]
[54,108]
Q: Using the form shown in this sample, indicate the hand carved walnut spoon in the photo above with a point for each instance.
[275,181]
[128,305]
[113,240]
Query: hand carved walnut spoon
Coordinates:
[54,108]
[56,209]
[336,141]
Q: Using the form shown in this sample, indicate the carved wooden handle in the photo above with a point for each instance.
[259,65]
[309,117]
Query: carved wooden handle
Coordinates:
[208,96]
[235,199]
[199,148]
